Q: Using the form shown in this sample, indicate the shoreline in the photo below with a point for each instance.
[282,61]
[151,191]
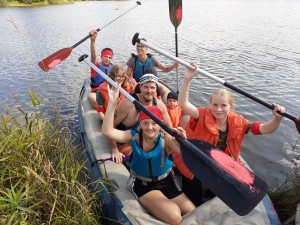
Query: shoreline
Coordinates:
[43,3]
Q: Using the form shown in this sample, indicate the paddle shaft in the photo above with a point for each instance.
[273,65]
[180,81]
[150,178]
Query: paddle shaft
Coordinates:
[87,37]
[57,57]
[209,75]
[175,11]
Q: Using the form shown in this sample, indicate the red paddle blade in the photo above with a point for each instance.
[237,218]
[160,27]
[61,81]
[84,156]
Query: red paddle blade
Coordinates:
[54,59]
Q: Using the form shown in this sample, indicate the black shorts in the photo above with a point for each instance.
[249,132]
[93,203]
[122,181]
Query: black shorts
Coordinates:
[167,186]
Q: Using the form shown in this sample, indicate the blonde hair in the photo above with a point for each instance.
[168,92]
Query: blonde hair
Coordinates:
[227,94]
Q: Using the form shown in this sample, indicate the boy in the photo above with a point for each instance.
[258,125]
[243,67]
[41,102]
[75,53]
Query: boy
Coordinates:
[104,65]
[175,112]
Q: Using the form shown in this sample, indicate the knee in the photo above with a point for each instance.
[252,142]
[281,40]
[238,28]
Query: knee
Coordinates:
[176,218]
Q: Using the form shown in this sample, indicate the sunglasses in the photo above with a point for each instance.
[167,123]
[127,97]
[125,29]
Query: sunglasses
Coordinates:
[119,78]
[140,46]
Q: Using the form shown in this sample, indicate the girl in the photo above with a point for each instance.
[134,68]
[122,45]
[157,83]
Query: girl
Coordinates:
[218,125]
[150,164]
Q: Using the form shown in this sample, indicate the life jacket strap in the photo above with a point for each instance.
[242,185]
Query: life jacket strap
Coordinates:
[148,179]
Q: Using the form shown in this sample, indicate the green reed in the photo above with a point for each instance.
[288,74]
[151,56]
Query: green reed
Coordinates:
[41,181]
[287,196]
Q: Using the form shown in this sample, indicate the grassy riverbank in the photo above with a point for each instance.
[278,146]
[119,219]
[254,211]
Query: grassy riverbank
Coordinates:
[41,181]
[33,3]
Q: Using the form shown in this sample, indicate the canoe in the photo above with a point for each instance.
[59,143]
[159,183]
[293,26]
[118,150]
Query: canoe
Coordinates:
[119,206]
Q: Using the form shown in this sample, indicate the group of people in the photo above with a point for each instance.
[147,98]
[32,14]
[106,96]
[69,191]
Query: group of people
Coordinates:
[154,152]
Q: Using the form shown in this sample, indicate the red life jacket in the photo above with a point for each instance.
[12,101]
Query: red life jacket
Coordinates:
[206,129]
[103,90]
[174,114]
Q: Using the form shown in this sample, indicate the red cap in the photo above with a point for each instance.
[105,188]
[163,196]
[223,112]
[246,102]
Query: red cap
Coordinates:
[154,110]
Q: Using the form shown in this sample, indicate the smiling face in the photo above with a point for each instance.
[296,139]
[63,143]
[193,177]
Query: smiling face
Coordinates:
[221,104]
[141,49]
[117,74]
[150,128]
[106,60]
[148,91]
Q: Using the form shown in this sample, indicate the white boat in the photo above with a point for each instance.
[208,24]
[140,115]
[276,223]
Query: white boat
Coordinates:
[119,204]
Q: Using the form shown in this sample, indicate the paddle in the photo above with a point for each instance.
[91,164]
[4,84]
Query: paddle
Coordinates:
[175,11]
[215,78]
[52,60]
[234,184]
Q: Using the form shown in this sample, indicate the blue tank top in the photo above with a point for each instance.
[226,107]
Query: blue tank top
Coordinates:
[98,79]
[148,164]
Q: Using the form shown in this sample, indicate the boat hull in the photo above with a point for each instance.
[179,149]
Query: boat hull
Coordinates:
[110,183]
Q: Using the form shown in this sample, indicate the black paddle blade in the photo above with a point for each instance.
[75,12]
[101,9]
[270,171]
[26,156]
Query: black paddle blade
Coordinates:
[234,184]
[175,11]
[297,122]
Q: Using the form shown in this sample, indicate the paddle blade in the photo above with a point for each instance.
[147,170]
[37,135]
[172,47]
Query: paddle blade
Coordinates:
[297,122]
[234,184]
[54,59]
[175,11]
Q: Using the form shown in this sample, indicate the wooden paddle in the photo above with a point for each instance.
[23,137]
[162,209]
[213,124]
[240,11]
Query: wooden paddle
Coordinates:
[175,11]
[234,184]
[52,60]
[215,78]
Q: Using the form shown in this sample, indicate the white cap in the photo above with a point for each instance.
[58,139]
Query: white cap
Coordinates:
[148,77]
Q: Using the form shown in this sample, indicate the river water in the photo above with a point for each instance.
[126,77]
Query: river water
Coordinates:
[253,45]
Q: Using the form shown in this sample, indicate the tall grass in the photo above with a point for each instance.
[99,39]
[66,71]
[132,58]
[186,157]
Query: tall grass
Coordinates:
[41,181]
[287,196]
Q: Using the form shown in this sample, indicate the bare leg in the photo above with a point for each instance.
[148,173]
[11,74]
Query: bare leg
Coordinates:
[161,207]
[92,99]
[184,203]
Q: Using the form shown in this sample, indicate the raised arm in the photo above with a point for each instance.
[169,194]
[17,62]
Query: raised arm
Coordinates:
[272,125]
[171,143]
[93,34]
[183,98]
[108,129]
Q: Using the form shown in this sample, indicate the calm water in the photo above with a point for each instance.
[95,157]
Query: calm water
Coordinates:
[253,45]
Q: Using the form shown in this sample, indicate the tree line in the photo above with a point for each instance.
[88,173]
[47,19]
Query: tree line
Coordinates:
[14,3]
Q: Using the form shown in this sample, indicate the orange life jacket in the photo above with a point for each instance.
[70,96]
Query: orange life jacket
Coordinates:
[174,114]
[206,129]
[103,90]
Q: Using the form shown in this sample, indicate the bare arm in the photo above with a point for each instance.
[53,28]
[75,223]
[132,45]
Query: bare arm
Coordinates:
[108,129]
[171,143]
[272,125]
[93,34]
[183,98]
[167,69]
[101,115]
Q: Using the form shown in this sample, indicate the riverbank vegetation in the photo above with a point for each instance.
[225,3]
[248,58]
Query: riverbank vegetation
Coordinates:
[42,181]
[30,3]
[287,196]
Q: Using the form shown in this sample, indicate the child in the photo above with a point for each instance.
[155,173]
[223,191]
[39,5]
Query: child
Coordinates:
[150,165]
[104,65]
[175,112]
